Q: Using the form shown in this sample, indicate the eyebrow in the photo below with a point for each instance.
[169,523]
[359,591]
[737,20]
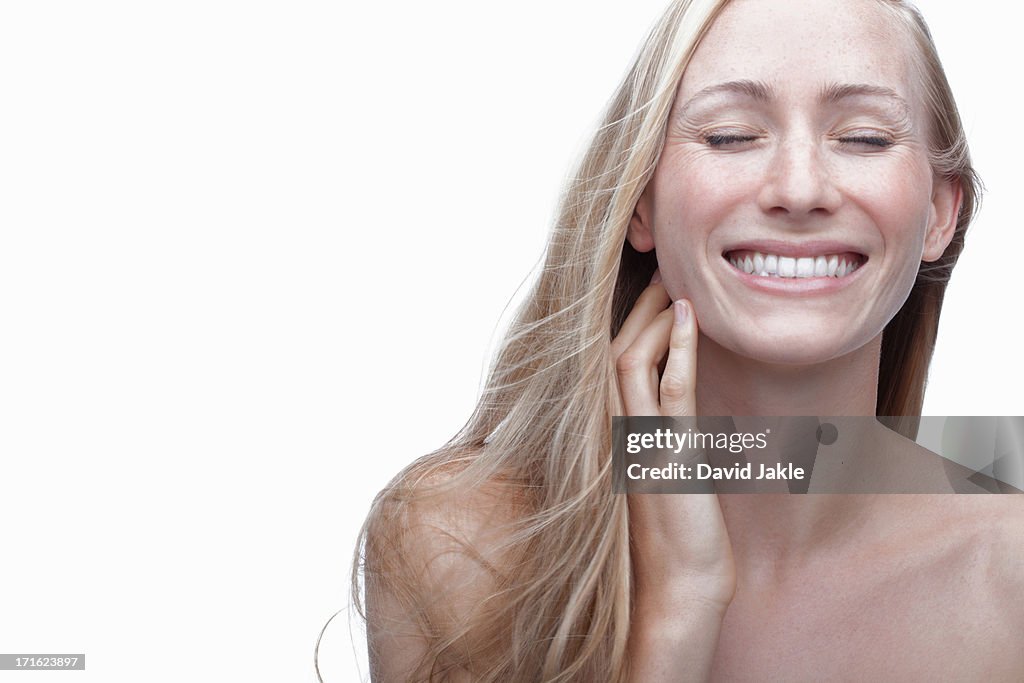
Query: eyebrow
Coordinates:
[835,92]
[755,90]
[829,94]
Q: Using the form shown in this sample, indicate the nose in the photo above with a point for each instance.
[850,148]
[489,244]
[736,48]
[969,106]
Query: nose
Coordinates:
[798,182]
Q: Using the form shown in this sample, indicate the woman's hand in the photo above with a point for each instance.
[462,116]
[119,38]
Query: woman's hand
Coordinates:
[682,560]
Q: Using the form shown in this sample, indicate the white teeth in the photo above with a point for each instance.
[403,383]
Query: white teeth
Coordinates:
[787,266]
[772,265]
[820,266]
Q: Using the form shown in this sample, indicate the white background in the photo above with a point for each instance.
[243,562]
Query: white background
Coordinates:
[252,258]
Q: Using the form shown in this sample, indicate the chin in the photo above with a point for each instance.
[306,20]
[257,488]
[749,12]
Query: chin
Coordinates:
[784,347]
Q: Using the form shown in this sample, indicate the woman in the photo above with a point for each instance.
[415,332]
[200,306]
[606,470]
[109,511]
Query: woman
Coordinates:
[794,135]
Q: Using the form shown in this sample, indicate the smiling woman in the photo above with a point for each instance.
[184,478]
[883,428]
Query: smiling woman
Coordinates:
[818,155]
[757,229]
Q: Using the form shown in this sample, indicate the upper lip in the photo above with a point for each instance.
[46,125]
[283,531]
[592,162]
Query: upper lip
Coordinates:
[794,249]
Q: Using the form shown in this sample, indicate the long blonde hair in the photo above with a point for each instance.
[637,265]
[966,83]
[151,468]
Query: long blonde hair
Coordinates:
[560,609]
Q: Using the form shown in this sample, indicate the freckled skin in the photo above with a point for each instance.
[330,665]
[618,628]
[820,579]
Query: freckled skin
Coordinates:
[854,587]
[800,178]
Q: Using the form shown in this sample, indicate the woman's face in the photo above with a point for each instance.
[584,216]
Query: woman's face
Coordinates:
[793,201]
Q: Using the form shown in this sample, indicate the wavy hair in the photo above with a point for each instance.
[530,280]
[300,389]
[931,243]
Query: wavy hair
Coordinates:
[559,605]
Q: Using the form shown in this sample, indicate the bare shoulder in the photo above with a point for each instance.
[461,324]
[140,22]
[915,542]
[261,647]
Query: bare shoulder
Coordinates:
[994,526]
[1004,526]
[436,549]
[445,522]
[991,571]
[999,543]
[952,581]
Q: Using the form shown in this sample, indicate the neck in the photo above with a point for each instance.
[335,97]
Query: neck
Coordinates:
[728,384]
[768,530]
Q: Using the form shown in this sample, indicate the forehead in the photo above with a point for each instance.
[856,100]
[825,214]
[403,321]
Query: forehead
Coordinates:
[800,45]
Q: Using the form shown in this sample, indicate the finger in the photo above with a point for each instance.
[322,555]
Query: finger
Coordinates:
[679,381]
[637,367]
[652,301]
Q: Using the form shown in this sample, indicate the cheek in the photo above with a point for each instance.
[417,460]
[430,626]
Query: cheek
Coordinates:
[900,185]
[715,184]
[898,202]
[900,205]
[697,195]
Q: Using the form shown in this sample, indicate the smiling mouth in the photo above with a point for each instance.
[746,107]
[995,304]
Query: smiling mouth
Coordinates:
[775,266]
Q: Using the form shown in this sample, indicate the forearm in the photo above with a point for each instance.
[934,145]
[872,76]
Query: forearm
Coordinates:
[674,642]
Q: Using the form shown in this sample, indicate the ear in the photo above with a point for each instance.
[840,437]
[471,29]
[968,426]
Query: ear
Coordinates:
[946,199]
[640,234]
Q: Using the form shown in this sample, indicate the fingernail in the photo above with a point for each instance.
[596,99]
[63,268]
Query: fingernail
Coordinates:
[656,278]
[682,311]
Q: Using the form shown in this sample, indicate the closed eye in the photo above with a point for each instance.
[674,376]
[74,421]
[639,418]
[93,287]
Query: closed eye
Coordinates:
[720,140]
[867,140]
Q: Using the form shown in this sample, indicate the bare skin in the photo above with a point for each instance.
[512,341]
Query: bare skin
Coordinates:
[923,587]
[810,151]
[827,587]
[684,585]
[758,157]
[772,587]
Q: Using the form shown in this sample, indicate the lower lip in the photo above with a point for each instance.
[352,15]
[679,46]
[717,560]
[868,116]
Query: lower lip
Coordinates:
[796,286]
